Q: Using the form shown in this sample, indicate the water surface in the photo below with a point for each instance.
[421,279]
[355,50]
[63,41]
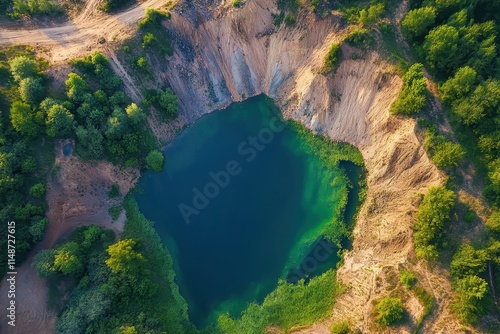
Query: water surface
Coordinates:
[239,204]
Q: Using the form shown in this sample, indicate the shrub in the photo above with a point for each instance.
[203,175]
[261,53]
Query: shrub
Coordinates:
[290,19]
[37,229]
[236,3]
[37,190]
[142,63]
[114,191]
[155,160]
[148,40]
[153,18]
[444,153]
[432,214]
[412,98]
[471,301]
[407,278]
[493,221]
[389,311]
[31,91]
[331,59]
[371,15]
[340,328]
[359,37]
[417,21]
[22,67]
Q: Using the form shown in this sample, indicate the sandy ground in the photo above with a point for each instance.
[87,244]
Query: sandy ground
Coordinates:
[222,56]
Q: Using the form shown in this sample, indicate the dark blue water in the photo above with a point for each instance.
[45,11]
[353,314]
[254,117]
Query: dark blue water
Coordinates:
[238,205]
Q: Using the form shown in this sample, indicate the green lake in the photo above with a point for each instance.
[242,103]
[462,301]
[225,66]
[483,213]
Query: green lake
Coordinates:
[241,202]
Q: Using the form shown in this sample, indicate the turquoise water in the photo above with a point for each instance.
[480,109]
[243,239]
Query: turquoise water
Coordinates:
[239,205]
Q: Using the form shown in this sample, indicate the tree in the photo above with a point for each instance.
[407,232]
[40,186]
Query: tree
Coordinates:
[169,102]
[413,96]
[407,278]
[38,190]
[441,46]
[91,139]
[470,302]
[155,160]
[433,212]
[389,311]
[483,101]
[76,87]
[331,58]
[37,228]
[135,115]
[59,122]
[117,125]
[468,261]
[66,259]
[24,119]
[458,86]
[444,153]
[123,258]
[493,222]
[417,21]
[22,67]
[43,263]
[31,90]
[372,14]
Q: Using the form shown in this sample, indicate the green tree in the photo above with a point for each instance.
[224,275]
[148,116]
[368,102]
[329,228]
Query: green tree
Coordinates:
[468,261]
[37,228]
[24,119]
[371,15]
[123,258]
[91,139]
[389,311]
[155,160]
[76,87]
[135,115]
[168,102]
[331,59]
[66,259]
[441,46]
[413,96]
[493,221]
[471,301]
[38,190]
[142,63]
[444,153]
[407,278]
[458,86]
[31,90]
[43,262]
[59,122]
[22,67]
[417,21]
[483,102]
[148,40]
[432,214]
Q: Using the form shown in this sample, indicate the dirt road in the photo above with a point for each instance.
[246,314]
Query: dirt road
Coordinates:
[81,34]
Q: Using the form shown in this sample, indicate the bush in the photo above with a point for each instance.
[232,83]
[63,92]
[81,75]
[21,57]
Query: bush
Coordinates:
[148,40]
[155,160]
[38,190]
[153,18]
[114,191]
[331,59]
[433,213]
[31,91]
[389,311]
[359,37]
[37,229]
[412,98]
[407,278]
[23,67]
[371,15]
[340,328]
[417,21]
[290,19]
[236,3]
[444,153]
[493,221]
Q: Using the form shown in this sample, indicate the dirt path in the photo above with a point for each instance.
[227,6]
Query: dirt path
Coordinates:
[83,33]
